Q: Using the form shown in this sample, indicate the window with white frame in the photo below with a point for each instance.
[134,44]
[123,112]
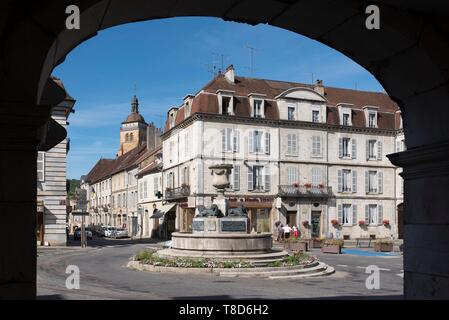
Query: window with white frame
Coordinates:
[257,108]
[236,178]
[187,144]
[292,144]
[345,215]
[372,123]
[373,181]
[230,139]
[344,147]
[373,214]
[155,184]
[316,176]
[373,149]
[145,189]
[347,179]
[226,105]
[315,115]
[171,151]
[185,176]
[259,142]
[291,112]
[187,109]
[316,146]
[346,119]
[41,166]
[119,201]
[259,178]
[292,175]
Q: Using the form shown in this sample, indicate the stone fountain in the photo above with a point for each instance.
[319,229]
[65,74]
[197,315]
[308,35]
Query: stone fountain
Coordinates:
[222,233]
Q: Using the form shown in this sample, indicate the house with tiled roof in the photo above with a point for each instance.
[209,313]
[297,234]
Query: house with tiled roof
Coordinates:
[307,155]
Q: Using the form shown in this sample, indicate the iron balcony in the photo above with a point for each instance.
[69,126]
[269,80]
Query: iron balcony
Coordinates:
[177,193]
[305,191]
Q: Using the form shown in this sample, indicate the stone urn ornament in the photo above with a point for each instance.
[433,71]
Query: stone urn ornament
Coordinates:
[220,176]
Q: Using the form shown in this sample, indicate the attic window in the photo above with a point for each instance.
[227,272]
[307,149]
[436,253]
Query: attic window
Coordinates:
[172,120]
[372,120]
[346,119]
[258,108]
[187,109]
[226,105]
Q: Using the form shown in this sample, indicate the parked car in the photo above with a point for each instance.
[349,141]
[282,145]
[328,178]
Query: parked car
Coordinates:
[77,234]
[121,233]
[109,231]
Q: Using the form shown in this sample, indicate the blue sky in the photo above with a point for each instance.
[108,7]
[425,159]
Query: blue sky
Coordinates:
[163,60]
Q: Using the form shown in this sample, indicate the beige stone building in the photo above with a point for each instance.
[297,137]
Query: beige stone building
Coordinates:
[307,155]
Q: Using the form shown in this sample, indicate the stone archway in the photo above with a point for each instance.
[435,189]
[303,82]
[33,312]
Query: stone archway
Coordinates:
[408,55]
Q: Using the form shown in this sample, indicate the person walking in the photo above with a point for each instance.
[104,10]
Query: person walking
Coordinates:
[287,230]
[295,232]
[280,232]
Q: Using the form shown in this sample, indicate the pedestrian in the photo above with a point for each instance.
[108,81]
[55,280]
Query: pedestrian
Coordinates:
[280,232]
[295,232]
[287,230]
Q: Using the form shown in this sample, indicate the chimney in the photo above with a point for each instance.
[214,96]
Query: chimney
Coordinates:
[229,74]
[150,137]
[319,87]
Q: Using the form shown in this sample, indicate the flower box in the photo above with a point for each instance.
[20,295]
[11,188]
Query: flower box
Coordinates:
[295,245]
[383,246]
[362,223]
[313,243]
[332,246]
[386,222]
[335,223]
[305,223]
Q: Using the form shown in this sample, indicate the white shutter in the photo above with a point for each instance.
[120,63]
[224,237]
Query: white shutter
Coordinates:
[366,181]
[380,214]
[267,178]
[267,142]
[354,148]
[354,214]
[296,139]
[367,149]
[250,178]
[289,144]
[251,142]
[340,214]
[236,141]
[367,214]
[380,182]
[354,181]
[223,140]
[40,166]
[340,148]
[340,181]
[236,184]
[379,150]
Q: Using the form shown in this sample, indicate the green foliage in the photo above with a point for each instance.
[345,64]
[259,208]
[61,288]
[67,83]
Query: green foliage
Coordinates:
[72,185]
[330,242]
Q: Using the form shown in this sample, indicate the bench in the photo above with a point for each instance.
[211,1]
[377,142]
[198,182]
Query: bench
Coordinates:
[359,240]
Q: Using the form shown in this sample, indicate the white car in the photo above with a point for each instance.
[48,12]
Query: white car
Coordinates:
[121,233]
[109,231]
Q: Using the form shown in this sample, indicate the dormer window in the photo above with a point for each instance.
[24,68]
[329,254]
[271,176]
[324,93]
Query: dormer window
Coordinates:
[372,123]
[187,109]
[226,105]
[257,109]
[172,120]
[346,120]
[291,112]
[315,115]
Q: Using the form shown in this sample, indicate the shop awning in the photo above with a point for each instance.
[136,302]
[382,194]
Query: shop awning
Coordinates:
[162,211]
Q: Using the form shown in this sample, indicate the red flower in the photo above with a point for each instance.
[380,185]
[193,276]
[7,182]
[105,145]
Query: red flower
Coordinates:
[361,222]
[386,221]
[305,223]
[334,222]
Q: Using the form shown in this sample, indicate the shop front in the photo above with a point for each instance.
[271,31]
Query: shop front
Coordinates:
[259,211]
[40,229]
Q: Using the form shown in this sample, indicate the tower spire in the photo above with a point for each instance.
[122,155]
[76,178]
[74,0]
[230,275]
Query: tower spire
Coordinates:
[135,105]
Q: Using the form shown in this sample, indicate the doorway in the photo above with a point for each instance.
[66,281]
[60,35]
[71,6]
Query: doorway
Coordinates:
[316,224]
[291,218]
[401,221]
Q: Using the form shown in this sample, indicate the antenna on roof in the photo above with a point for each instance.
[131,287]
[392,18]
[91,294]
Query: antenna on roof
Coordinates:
[251,59]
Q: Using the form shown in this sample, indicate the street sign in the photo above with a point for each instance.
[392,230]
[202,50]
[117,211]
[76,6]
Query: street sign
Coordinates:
[81,199]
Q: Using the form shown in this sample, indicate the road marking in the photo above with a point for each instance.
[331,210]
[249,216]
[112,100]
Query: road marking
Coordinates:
[381,269]
[342,265]
[400,274]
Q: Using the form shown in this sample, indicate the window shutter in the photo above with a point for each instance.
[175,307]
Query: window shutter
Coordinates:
[379,150]
[367,149]
[41,166]
[223,140]
[354,181]
[340,214]
[250,178]
[367,181]
[367,214]
[236,140]
[251,142]
[340,181]
[267,178]
[354,214]
[380,182]
[236,183]
[340,147]
[354,148]
[296,144]
[267,142]
[319,146]
[380,213]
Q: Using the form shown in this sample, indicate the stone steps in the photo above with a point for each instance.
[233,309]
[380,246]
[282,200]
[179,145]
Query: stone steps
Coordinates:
[313,270]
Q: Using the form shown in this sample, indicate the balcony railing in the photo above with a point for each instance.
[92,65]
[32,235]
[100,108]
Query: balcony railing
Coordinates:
[305,191]
[176,193]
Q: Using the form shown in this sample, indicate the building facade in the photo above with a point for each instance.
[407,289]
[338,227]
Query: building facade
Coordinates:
[52,182]
[306,155]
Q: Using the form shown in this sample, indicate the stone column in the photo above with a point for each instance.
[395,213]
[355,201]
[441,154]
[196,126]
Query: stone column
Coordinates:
[426,220]
[19,139]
